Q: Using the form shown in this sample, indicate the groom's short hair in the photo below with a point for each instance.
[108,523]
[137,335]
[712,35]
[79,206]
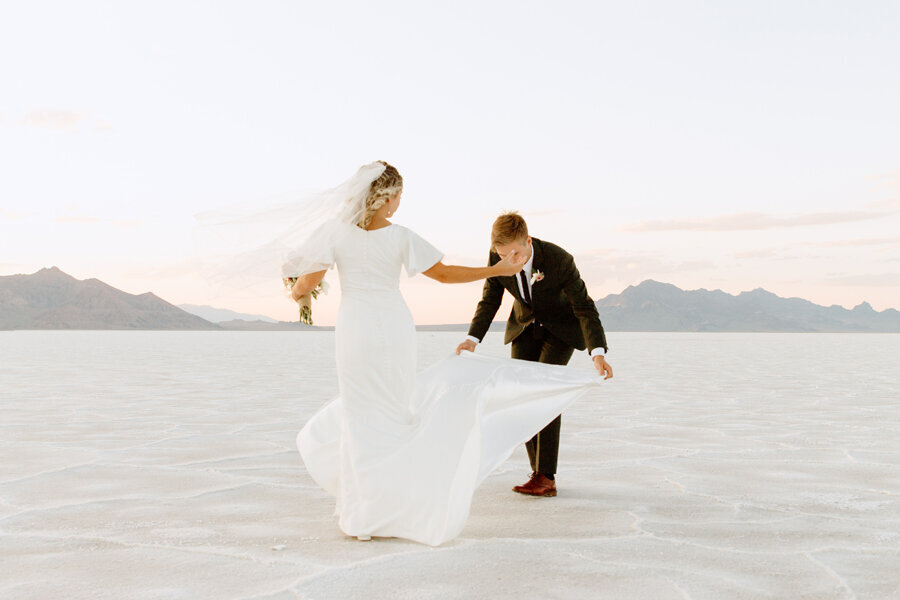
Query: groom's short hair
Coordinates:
[509,227]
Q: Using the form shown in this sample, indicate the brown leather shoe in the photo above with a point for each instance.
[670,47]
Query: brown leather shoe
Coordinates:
[538,485]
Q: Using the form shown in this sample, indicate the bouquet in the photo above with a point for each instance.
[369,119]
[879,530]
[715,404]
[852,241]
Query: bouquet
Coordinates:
[305,301]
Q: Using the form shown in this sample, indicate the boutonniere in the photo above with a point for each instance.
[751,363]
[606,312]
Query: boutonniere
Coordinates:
[536,277]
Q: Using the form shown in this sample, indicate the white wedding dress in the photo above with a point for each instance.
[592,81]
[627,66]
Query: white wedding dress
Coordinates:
[403,452]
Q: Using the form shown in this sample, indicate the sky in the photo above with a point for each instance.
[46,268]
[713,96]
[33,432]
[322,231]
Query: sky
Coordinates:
[718,145]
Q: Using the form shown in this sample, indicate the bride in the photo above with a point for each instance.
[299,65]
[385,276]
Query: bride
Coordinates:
[403,452]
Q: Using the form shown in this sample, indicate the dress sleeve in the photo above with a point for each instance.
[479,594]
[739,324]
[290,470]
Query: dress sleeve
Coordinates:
[419,255]
[316,253]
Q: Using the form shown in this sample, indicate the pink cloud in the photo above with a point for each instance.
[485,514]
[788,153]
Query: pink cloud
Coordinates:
[56,120]
[753,221]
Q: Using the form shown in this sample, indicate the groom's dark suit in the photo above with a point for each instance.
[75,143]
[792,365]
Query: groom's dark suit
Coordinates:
[560,318]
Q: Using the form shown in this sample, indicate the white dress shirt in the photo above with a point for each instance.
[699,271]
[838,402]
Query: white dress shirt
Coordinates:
[528,268]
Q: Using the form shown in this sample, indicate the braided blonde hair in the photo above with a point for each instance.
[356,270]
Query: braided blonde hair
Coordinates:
[388,184]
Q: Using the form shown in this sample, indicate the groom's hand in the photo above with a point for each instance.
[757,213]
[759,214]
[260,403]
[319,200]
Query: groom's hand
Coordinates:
[466,345]
[601,365]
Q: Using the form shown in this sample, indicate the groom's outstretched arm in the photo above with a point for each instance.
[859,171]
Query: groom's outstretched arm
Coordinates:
[491,297]
[582,304]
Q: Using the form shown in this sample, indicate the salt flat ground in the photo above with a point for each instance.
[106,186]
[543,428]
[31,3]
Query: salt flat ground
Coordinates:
[139,465]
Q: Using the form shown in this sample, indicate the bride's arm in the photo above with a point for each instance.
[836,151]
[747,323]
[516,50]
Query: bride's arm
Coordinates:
[459,274]
[306,283]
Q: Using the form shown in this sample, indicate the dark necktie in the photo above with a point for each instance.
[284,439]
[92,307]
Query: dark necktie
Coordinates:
[526,293]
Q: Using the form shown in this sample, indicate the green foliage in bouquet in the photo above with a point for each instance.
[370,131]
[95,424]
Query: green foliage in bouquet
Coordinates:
[305,302]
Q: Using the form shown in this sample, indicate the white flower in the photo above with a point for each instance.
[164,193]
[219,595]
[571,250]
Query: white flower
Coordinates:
[536,277]
[325,286]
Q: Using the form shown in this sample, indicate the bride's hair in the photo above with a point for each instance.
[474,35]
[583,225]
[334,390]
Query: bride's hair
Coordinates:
[389,184]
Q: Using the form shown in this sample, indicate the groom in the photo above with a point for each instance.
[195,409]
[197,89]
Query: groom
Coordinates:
[552,316]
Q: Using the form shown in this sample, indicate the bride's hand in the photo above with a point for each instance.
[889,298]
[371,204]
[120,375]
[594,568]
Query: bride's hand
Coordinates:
[510,265]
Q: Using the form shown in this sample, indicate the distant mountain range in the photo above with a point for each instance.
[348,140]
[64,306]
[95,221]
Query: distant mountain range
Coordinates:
[217,315]
[51,299]
[654,306]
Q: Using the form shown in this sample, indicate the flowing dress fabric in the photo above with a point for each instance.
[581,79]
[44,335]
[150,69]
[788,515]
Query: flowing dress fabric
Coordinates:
[403,452]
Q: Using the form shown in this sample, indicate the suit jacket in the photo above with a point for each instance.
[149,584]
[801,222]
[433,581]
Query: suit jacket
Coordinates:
[560,301]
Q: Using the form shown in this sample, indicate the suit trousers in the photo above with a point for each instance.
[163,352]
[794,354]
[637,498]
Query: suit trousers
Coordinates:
[537,344]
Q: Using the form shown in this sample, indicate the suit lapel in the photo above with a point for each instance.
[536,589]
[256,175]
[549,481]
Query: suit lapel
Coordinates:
[513,288]
[536,265]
